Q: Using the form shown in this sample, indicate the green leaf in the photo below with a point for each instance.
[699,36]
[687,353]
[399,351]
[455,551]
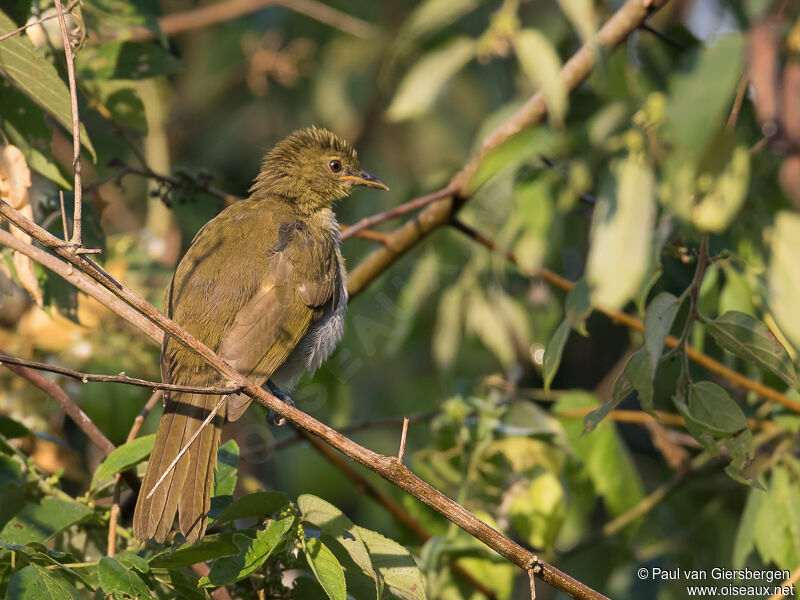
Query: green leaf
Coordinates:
[635,376]
[788,536]
[605,457]
[35,583]
[581,15]
[712,407]
[447,332]
[622,229]
[429,16]
[212,546]
[422,84]
[701,95]
[396,566]
[538,511]
[130,560]
[422,282]
[10,429]
[553,352]
[578,306]
[24,124]
[715,210]
[257,505]
[37,78]
[40,522]
[253,552]
[748,338]
[225,473]
[744,543]
[326,568]
[541,64]
[122,101]
[333,521]
[658,320]
[124,457]
[783,275]
[120,582]
[125,60]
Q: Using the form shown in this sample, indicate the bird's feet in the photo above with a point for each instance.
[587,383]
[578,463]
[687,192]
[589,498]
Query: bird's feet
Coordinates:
[272,417]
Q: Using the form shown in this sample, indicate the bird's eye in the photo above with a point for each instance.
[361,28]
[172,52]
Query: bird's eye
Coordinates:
[335,165]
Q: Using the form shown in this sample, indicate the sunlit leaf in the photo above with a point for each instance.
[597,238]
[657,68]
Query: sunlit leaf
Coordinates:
[37,583]
[40,522]
[253,552]
[622,229]
[783,275]
[542,65]
[326,568]
[37,78]
[748,338]
[332,521]
[447,333]
[429,16]
[125,60]
[581,15]
[124,457]
[420,87]
[395,565]
[553,352]
[119,581]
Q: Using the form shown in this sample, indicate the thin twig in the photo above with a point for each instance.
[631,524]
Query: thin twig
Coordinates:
[183,450]
[121,378]
[394,508]
[183,182]
[76,127]
[397,211]
[56,393]
[220,12]
[533,584]
[670,41]
[736,379]
[403,440]
[63,215]
[737,103]
[5,36]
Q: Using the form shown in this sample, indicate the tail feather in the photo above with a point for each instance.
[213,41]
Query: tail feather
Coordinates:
[186,489]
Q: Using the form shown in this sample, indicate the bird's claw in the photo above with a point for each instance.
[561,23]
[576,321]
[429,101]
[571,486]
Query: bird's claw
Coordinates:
[274,418]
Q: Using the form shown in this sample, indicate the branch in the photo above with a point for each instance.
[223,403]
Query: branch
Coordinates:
[387,467]
[75,241]
[220,12]
[56,393]
[397,211]
[736,379]
[624,22]
[121,378]
[85,284]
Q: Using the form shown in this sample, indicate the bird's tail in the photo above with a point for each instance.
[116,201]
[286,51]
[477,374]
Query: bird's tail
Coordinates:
[187,487]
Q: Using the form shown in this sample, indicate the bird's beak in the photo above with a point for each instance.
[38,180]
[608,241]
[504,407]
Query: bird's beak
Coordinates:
[366,179]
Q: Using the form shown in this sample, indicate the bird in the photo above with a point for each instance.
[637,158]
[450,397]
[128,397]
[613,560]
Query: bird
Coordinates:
[263,284]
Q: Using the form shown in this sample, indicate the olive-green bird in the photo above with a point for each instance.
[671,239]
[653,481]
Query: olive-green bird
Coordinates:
[263,284]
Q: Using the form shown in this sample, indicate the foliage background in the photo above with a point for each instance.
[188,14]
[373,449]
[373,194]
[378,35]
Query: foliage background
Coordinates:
[633,169]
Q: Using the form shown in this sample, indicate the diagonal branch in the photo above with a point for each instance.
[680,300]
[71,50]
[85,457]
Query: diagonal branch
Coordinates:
[387,467]
[624,22]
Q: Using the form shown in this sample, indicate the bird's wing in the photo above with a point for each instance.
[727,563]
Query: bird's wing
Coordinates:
[269,326]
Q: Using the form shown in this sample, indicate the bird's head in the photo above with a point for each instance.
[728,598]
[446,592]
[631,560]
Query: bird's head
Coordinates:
[312,168]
